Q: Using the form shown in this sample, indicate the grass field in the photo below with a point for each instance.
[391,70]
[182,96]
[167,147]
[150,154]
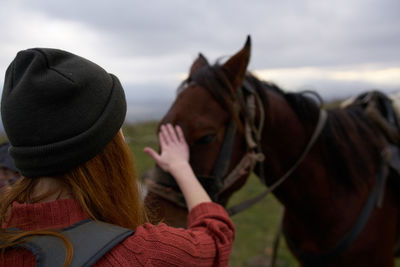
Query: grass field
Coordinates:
[255,227]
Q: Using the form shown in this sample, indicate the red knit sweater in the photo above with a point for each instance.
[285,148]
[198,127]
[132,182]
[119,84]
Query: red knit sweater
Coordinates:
[207,241]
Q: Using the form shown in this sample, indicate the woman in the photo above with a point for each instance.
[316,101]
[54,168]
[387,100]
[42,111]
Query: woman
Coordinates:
[63,115]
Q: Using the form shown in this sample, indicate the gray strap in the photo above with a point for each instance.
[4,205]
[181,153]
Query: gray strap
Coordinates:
[90,240]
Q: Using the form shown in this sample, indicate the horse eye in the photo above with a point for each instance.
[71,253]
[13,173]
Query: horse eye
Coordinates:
[205,139]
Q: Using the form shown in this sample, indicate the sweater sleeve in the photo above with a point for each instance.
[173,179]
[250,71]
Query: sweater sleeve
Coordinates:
[207,241]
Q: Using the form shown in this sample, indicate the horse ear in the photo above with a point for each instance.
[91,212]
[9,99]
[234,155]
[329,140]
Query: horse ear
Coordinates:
[236,66]
[198,63]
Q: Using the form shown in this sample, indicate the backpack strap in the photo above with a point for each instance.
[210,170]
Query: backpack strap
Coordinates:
[90,239]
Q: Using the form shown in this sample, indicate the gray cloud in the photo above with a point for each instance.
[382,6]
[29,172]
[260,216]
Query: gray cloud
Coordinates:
[285,33]
[149,43]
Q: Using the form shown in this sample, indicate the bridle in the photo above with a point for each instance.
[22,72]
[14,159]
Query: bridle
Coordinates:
[220,180]
[252,132]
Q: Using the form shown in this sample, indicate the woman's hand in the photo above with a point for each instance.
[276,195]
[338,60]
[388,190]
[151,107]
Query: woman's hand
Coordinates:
[174,158]
[174,149]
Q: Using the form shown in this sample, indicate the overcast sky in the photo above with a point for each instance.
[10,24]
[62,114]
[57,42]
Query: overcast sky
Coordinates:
[338,48]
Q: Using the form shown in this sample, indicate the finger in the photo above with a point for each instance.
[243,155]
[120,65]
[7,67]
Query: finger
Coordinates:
[172,133]
[181,136]
[161,138]
[152,153]
[165,134]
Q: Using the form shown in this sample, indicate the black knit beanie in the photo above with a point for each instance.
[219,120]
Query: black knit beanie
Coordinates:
[59,110]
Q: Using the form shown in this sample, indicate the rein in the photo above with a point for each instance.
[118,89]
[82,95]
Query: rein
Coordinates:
[248,203]
[254,154]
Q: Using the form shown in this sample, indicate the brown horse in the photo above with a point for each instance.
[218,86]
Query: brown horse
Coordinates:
[332,166]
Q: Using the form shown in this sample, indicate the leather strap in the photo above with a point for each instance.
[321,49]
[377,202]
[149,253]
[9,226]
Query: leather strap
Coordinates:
[248,203]
[90,239]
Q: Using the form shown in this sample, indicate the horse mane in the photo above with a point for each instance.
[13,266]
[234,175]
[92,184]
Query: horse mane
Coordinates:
[348,133]
[214,80]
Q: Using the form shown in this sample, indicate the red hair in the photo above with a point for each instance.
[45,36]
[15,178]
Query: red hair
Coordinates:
[106,187]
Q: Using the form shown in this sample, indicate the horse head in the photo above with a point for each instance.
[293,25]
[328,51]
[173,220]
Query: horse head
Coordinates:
[211,116]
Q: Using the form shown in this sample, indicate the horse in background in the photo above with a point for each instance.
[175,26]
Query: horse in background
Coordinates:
[328,168]
[394,99]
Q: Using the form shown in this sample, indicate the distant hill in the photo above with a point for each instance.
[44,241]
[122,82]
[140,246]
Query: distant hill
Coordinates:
[147,110]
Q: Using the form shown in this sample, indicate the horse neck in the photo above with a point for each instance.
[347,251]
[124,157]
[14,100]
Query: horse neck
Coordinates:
[284,135]
[313,185]
[285,138]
